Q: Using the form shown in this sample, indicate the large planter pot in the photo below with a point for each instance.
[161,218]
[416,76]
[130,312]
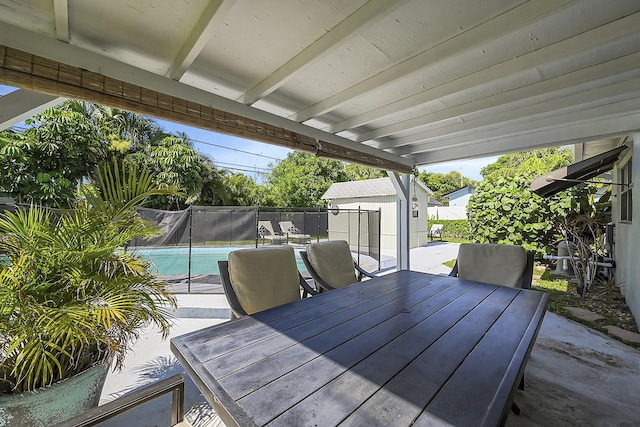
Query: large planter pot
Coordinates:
[56,403]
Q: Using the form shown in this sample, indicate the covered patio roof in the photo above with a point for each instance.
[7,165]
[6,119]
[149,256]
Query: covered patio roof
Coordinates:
[391,84]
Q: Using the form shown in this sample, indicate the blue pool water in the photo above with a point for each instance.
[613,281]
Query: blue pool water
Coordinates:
[203,260]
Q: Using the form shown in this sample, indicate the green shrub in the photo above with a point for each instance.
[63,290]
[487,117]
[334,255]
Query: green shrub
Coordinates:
[504,210]
[453,228]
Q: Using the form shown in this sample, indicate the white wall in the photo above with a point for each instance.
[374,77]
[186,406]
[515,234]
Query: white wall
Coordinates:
[460,201]
[387,205]
[446,212]
[627,235]
[388,228]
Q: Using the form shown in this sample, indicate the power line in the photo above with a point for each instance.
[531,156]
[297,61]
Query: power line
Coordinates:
[242,166]
[246,170]
[234,149]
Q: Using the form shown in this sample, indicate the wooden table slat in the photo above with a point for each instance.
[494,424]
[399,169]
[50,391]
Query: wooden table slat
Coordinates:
[250,328]
[272,367]
[274,341]
[495,353]
[381,351]
[374,395]
[398,348]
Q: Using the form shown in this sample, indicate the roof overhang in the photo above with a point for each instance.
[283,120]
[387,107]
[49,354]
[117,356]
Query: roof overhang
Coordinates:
[386,83]
[577,173]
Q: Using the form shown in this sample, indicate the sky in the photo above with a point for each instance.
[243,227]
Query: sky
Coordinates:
[251,157]
[254,158]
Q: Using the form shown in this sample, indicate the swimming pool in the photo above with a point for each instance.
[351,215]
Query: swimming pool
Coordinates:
[204,260]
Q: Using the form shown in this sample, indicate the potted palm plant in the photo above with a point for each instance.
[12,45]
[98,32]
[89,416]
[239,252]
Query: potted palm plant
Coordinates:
[72,299]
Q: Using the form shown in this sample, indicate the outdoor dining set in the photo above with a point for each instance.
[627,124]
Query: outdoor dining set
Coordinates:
[350,347]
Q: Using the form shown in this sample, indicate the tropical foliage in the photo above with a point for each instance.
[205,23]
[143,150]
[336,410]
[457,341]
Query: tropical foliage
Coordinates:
[64,146]
[301,179]
[442,184]
[583,227]
[504,210]
[70,295]
[46,162]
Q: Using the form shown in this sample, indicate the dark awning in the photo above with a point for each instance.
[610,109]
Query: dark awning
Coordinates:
[568,176]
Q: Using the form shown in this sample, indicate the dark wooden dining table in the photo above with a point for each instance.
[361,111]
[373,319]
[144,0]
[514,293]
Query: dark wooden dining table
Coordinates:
[407,348]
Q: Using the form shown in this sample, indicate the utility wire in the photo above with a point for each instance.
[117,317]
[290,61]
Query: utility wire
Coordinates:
[241,166]
[234,149]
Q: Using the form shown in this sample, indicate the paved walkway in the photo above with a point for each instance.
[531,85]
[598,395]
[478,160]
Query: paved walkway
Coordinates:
[575,377]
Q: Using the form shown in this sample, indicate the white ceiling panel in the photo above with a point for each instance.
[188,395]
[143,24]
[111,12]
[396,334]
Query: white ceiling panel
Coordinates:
[422,81]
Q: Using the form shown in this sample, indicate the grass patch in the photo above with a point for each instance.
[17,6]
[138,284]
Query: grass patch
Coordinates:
[450,264]
[454,240]
[604,299]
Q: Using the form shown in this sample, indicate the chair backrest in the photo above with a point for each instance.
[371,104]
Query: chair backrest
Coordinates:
[264,226]
[288,227]
[436,229]
[506,265]
[264,278]
[332,261]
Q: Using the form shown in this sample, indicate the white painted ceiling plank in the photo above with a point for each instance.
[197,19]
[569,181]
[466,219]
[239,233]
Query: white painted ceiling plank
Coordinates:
[23,104]
[596,37]
[570,134]
[611,110]
[490,30]
[61,12]
[367,15]
[38,44]
[212,16]
[604,95]
[610,69]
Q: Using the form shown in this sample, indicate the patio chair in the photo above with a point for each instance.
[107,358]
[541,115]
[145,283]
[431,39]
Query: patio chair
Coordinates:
[436,231]
[506,265]
[266,232]
[294,232]
[331,265]
[262,278]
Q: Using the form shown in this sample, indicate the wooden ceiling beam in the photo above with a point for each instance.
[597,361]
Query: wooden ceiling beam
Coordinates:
[61,15]
[365,16]
[211,17]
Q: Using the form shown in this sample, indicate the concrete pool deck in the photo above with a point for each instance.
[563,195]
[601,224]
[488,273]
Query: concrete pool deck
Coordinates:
[575,377]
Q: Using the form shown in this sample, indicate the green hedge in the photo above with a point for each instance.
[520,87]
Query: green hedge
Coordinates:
[453,228]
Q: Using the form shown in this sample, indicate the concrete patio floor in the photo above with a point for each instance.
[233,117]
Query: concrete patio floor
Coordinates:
[575,376]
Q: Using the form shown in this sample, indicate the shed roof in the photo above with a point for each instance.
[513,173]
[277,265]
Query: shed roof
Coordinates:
[469,189]
[367,188]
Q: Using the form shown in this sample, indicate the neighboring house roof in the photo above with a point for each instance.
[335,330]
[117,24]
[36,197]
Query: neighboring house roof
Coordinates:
[434,202]
[460,192]
[366,188]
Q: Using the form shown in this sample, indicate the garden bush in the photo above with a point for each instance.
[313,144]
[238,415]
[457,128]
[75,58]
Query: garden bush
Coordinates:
[453,228]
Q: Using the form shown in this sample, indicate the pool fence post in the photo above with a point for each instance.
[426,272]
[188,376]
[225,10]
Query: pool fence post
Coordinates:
[359,231]
[256,226]
[190,241]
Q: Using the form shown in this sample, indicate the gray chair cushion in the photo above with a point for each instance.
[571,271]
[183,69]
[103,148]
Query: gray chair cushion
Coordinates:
[264,278]
[333,262]
[496,264]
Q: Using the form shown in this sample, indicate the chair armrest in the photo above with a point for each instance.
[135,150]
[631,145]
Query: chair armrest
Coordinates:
[232,299]
[527,275]
[362,272]
[306,288]
[319,282]
[454,272]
